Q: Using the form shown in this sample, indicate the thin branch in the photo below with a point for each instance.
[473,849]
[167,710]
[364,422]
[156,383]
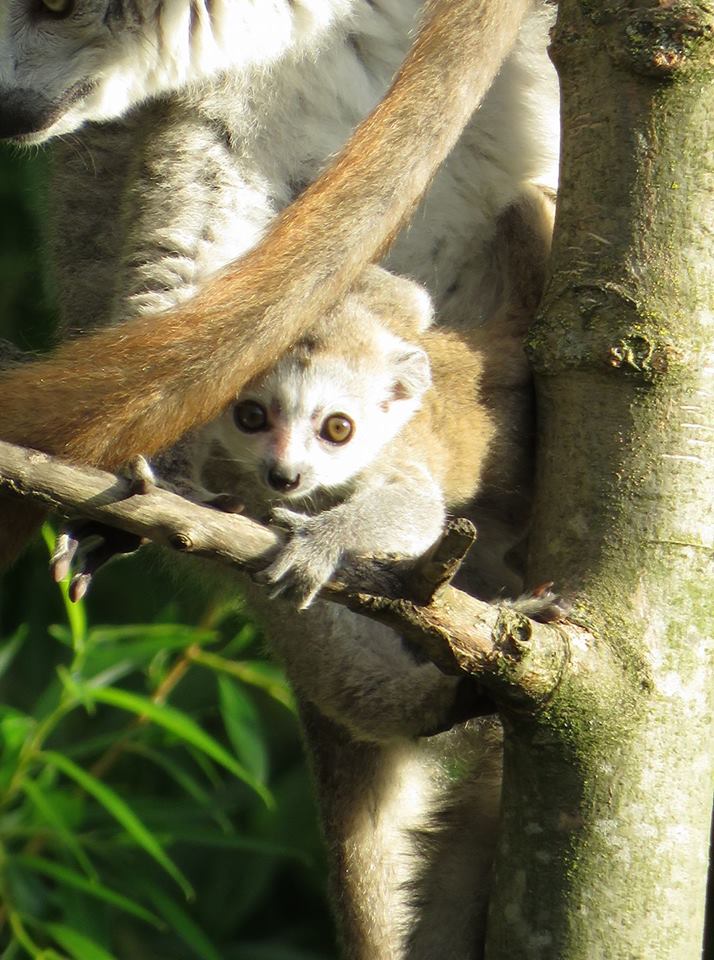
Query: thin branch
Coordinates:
[517,660]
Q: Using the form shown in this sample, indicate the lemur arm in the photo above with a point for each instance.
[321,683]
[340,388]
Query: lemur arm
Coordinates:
[400,511]
[138,387]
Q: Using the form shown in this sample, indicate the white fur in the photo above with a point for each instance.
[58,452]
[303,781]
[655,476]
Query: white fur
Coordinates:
[291,89]
[163,54]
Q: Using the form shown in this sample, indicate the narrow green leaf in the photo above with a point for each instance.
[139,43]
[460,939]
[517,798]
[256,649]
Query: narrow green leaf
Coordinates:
[136,653]
[50,813]
[240,641]
[90,747]
[175,634]
[15,730]
[11,952]
[75,943]
[181,726]
[256,673]
[114,672]
[121,812]
[184,779]
[206,838]
[181,923]
[22,936]
[92,888]
[10,647]
[242,726]
[61,633]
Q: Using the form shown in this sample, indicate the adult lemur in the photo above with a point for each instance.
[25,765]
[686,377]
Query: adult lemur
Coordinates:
[194,124]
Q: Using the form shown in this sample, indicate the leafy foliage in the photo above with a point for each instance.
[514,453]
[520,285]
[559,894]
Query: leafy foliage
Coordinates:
[154,803]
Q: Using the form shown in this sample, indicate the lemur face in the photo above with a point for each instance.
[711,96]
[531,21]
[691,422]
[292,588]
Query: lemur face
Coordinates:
[319,418]
[66,62]
[63,62]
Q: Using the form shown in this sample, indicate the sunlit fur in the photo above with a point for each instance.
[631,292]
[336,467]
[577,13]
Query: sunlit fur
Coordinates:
[133,50]
[150,208]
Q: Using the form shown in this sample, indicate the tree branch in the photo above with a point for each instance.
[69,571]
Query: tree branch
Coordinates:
[517,660]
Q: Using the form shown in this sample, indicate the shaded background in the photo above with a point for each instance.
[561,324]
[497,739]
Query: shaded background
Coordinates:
[154,802]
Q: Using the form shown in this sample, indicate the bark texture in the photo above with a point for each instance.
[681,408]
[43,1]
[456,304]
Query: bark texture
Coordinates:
[517,660]
[608,787]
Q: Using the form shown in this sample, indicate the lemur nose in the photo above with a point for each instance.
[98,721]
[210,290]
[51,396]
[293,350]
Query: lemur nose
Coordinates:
[282,482]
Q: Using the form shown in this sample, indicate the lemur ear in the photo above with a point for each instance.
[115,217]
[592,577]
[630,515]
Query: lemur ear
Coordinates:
[412,373]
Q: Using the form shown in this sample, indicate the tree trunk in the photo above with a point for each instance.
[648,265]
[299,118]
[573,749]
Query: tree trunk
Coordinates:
[608,786]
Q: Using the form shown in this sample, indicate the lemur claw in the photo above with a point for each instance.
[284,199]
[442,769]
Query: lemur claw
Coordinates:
[83,548]
[542,604]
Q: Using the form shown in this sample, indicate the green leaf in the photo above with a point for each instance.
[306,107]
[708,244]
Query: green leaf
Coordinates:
[61,633]
[184,779]
[242,726]
[92,888]
[175,634]
[240,641]
[75,943]
[181,923]
[15,728]
[10,647]
[181,726]
[51,814]
[121,812]
[23,937]
[205,838]
[256,673]
[131,655]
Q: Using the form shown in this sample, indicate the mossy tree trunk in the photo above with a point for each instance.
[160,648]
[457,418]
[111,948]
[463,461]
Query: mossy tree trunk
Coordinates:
[608,785]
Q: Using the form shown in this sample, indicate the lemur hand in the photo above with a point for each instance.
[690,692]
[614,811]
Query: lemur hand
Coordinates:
[308,559]
[541,604]
[84,546]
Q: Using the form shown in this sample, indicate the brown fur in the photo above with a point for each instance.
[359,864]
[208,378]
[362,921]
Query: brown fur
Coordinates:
[136,388]
[480,407]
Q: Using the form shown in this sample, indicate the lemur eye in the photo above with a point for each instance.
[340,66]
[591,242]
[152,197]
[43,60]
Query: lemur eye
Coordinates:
[58,8]
[250,416]
[337,428]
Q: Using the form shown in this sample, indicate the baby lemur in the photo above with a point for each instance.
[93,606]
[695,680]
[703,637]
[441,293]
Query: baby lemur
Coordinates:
[362,445]
[201,133]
